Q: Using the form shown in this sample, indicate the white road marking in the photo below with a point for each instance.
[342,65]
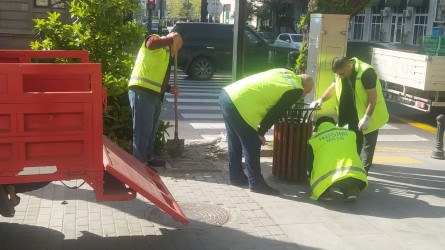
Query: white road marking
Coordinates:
[400,138]
[192,100]
[212,125]
[387,126]
[182,90]
[200,86]
[212,137]
[202,116]
[197,94]
[191,107]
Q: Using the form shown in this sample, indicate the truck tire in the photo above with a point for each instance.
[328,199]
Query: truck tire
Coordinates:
[202,69]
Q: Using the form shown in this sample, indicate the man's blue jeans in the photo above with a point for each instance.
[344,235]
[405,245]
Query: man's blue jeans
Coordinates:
[241,138]
[146,109]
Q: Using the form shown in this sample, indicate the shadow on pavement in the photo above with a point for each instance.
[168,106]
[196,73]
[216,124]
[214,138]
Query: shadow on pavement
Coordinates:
[394,192]
[200,236]
[17,236]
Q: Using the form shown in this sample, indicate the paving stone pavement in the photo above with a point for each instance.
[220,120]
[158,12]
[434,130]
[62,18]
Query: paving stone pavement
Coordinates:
[403,208]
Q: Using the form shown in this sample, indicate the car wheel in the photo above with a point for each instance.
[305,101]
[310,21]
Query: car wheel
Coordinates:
[202,69]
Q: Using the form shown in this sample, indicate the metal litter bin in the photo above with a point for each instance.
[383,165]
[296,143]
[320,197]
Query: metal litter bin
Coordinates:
[290,148]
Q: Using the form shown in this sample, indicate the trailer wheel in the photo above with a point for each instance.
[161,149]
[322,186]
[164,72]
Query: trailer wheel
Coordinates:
[6,206]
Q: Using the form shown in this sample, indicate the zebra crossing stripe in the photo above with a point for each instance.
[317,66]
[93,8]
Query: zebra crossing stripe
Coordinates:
[201,116]
[212,137]
[187,90]
[201,86]
[198,94]
[192,107]
[400,138]
[387,126]
[211,125]
[192,100]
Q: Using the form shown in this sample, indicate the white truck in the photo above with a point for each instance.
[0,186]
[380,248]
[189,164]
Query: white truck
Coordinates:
[411,79]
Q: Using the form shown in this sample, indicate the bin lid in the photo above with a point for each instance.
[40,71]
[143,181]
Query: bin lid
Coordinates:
[140,178]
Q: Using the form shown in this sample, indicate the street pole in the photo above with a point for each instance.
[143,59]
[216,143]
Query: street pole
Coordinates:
[147,12]
[203,11]
[150,20]
[438,152]
[214,12]
[161,3]
[238,40]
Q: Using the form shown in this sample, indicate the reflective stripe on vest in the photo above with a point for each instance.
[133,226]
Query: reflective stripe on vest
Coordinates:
[335,158]
[150,68]
[255,95]
[380,116]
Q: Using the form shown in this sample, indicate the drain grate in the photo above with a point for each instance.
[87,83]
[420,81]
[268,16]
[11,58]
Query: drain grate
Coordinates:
[200,216]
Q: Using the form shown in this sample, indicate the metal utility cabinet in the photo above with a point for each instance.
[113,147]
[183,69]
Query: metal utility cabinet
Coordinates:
[328,38]
[411,79]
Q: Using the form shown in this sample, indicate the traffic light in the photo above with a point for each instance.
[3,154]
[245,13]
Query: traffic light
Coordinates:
[151,4]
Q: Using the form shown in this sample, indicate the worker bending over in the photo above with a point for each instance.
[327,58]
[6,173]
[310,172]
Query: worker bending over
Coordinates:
[250,107]
[359,96]
[334,162]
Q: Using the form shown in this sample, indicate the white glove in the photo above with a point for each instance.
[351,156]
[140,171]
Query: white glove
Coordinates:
[316,104]
[363,124]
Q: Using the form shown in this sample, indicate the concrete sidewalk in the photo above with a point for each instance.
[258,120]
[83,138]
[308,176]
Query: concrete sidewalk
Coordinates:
[403,208]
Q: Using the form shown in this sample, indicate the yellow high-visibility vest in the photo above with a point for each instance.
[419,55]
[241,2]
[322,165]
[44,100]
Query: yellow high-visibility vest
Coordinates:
[335,158]
[380,116]
[255,95]
[150,68]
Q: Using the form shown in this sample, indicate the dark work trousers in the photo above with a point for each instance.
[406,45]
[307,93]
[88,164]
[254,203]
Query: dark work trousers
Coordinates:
[241,138]
[366,146]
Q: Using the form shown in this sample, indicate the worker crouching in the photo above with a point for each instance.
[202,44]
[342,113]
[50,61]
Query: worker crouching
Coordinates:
[335,162]
[250,107]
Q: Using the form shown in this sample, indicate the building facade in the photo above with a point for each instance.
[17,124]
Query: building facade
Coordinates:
[398,21]
[16,20]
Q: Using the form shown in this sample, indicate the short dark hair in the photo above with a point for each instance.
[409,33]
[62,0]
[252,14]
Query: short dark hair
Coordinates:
[338,63]
[324,119]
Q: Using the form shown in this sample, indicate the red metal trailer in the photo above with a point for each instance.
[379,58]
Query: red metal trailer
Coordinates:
[51,130]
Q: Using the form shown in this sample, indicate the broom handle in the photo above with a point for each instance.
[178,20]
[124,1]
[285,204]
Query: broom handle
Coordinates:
[175,84]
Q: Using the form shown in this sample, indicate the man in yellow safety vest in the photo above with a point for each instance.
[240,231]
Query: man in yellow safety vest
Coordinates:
[148,83]
[360,103]
[250,107]
[333,161]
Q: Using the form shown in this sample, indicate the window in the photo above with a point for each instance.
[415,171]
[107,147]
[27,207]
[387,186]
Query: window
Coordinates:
[297,38]
[358,27]
[420,24]
[397,25]
[284,38]
[377,34]
[58,4]
[250,38]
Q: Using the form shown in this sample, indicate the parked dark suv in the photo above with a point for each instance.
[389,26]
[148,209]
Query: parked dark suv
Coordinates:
[208,47]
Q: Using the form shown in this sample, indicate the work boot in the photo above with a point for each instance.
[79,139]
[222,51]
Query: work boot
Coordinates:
[350,195]
[326,196]
[265,189]
[151,168]
[240,183]
[156,163]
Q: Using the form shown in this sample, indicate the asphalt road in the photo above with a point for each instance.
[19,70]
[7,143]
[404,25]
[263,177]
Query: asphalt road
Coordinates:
[201,118]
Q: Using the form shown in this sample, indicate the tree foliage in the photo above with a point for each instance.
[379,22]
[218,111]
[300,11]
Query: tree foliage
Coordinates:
[346,7]
[105,29]
[184,10]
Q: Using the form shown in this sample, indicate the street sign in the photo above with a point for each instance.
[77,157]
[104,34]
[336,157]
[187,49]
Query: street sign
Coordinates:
[214,7]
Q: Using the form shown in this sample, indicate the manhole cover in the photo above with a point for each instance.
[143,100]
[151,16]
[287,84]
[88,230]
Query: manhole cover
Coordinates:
[192,166]
[200,216]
